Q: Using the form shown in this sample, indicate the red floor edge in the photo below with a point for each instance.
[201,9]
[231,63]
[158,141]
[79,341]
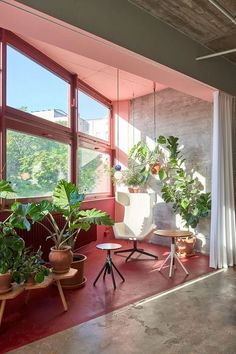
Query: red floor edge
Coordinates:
[43,315]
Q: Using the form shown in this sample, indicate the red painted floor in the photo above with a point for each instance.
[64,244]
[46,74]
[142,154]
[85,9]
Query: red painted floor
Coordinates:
[44,315]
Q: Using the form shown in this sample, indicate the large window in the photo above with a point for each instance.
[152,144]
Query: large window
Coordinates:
[35,153]
[94,117]
[34,165]
[93,171]
[34,89]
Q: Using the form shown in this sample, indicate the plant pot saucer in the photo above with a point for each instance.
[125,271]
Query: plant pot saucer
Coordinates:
[75,286]
[6,291]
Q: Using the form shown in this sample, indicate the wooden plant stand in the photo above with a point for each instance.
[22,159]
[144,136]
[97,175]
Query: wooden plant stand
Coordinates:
[18,289]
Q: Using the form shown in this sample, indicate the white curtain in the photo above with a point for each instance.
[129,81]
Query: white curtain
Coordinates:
[223,231]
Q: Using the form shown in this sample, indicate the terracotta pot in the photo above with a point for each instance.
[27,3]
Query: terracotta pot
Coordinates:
[5,283]
[185,246]
[137,189]
[31,280]
[78,279]
[61,259]
[155,168]
[134,189]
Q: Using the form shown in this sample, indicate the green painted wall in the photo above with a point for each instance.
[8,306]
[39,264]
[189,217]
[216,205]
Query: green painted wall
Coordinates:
[126,25]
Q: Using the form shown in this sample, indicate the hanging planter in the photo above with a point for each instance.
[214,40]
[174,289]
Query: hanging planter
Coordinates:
[155,168]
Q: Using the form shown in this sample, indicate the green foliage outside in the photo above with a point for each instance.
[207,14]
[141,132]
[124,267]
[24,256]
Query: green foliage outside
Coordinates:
[34,165]
[87,172]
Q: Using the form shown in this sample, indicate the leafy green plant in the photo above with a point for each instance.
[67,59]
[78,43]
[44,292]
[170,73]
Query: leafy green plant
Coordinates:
[146,157]
[180,188]
[67,200]
[30,264]
[133,177]
[11,245]
[11,248]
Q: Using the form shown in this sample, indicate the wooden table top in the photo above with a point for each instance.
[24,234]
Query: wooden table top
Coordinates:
[69,274]
[47,281]
[173,233]
[108,246]
[14,292]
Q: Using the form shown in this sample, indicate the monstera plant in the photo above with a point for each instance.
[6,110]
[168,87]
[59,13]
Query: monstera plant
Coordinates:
[66,200]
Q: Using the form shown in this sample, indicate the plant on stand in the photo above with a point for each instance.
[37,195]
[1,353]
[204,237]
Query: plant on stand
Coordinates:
[67,201]
[134,178]
[12,248]
[150,161]
[30,268]
[182,189]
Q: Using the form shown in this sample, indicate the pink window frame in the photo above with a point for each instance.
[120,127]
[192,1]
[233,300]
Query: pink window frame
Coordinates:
[11,118]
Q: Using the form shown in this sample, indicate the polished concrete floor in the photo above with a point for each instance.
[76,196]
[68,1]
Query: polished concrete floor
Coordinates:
[196,318]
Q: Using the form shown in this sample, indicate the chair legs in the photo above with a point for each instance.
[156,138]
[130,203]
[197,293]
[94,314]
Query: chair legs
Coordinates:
[135,249]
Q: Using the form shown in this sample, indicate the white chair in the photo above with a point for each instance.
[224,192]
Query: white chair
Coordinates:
[138,220]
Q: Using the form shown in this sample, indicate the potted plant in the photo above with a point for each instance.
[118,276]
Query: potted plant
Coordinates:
[134,178]
[184,191]
[149,160]
[66,200]
[11,246]
[11,249]
[30,268]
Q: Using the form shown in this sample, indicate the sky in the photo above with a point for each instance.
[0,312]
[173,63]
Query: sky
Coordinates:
[30,85]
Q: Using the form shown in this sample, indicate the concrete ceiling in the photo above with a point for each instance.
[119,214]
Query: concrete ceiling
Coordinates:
[199,20]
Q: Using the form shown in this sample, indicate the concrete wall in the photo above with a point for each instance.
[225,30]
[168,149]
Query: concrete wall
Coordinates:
[190,119]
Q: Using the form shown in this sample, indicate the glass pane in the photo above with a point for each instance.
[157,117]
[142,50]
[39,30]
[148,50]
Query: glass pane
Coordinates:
[34,165]
[94,117]
[34,89]
[93,171]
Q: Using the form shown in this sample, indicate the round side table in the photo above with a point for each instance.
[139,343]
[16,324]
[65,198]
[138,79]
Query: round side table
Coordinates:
[108,265]
[173,255]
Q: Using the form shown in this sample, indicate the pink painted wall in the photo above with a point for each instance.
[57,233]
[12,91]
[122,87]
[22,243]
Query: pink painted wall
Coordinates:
[106,204]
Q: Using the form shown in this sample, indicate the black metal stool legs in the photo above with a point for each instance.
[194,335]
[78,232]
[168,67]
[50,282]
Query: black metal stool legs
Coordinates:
[108,269]
[135,249]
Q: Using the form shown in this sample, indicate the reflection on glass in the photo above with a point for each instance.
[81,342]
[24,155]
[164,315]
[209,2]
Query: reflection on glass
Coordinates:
[93,171]
[93,117]
[34,165]
[34,89]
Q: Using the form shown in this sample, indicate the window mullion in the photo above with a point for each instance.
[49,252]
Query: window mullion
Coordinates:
[74,127]
[2,104]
